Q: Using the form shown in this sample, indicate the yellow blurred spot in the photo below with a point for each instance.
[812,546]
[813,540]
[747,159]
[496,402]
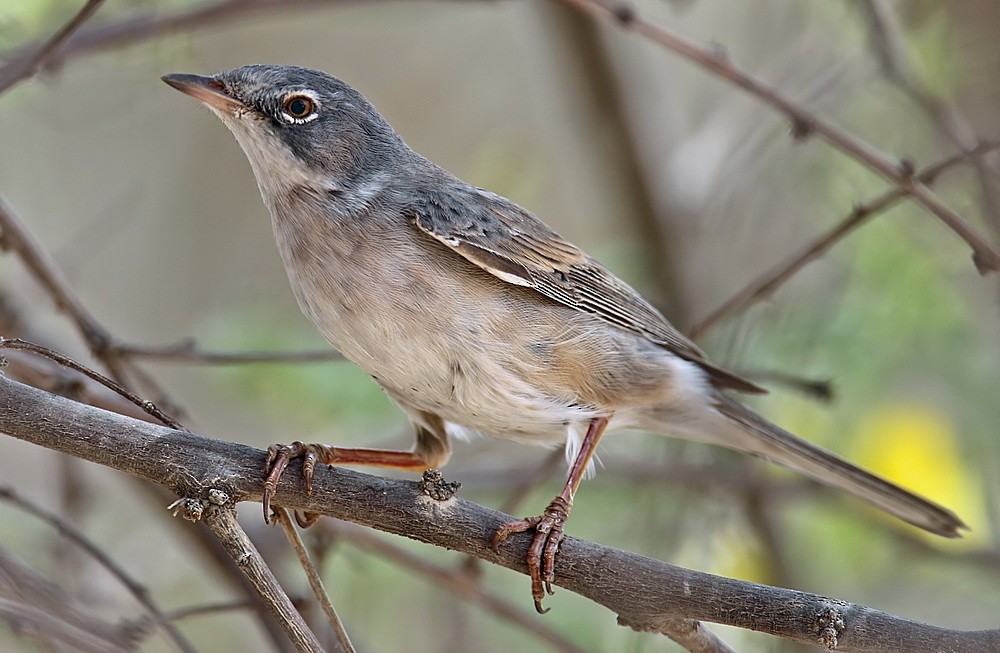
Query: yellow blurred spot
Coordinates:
[736,555]
[916,447]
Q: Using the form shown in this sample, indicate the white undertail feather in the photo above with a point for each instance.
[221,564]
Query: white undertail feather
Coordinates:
[575,434]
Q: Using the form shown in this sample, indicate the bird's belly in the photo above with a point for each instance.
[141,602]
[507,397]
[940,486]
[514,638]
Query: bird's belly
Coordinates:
[458,364]
[471,382]
[445,338]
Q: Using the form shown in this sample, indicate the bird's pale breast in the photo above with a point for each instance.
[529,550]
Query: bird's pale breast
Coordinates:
[444,337]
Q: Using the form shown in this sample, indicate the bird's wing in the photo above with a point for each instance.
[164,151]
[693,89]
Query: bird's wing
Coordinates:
[512,244]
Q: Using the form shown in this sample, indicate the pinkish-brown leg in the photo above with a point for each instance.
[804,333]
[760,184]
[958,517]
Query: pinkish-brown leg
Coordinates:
[279,455]
[549,525]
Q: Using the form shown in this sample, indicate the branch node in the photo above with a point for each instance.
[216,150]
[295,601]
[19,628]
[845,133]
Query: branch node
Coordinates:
[719,51]
[984,264]
[907,167]
[433,485]
[623,13]
[829,628]
[802,128]
[218,497]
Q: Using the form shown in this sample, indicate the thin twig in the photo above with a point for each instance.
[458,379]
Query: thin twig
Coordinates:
[24,67]
[222,521]
[208,609]
[889,43]
[188,352]
[137,589]
[819,389]
[139,27]
[986,256]
[147,406]
[774,278]
[33,620]
[315,582]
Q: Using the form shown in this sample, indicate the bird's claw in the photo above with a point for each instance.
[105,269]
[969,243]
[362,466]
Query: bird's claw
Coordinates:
[541,558]
[278,457]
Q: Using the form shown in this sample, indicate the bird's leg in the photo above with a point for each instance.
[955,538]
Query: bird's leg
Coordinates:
[549,525]
[279,455]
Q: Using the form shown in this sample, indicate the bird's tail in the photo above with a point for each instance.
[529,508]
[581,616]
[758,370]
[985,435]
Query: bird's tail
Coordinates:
[752,433]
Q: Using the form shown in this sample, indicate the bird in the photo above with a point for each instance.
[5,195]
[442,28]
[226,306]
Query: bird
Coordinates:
[474,316]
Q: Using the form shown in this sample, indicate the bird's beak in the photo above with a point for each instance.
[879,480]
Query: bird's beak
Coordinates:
[206,89]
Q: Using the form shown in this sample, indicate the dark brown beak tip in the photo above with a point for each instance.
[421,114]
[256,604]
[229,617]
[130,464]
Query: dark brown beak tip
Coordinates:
[183,81]
[206,89]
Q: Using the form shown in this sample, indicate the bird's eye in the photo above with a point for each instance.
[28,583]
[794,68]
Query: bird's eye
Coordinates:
[299,107]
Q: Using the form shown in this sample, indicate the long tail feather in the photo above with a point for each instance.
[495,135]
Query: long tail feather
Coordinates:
[778,445]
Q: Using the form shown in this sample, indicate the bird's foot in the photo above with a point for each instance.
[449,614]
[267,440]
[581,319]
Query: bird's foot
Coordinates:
[278,457]
[541,559]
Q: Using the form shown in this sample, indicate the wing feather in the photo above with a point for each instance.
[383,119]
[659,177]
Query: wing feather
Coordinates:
[510,243]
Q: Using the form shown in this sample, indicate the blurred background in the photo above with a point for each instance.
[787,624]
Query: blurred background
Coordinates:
[680,183]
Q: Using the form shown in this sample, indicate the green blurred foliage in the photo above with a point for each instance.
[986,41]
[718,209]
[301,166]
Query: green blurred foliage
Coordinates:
[318,396]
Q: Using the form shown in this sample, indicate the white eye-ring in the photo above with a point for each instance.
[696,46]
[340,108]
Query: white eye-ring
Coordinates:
[300,107]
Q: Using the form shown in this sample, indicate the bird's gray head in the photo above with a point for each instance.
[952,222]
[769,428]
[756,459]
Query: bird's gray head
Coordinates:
[301,129]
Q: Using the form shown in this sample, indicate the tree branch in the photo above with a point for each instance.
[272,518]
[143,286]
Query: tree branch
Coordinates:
[139,27]
[221,519]
[646,594]
[187,351]
[23,67]
[768,282]
[985,254]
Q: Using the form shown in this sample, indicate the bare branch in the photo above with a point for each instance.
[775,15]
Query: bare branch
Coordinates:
[819,389]
[43,623]
[43,611]
[889,43]
[642,591]
[222,520]
[27,65]
[188,352]
[15,236]
[147,406]
[140,27]
[986,256]
[315,582]
[774,278]
[50,376]
[209,608]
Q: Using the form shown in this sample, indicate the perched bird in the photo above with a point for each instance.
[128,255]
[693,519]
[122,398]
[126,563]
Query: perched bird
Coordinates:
[472,314]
